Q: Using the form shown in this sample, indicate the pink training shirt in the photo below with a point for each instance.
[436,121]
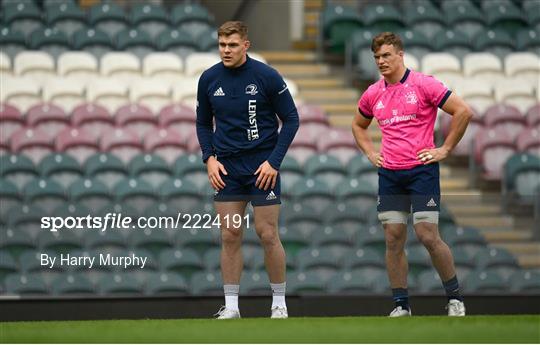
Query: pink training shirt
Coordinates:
[406,112]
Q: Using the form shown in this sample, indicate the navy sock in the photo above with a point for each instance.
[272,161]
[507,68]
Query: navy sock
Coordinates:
[401,297]
[452,289]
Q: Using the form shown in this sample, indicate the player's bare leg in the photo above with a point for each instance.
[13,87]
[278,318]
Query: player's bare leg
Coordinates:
[231,256]
[397,266]
[266,225]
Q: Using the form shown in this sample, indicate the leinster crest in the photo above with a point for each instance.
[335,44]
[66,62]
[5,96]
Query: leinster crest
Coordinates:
[410,98]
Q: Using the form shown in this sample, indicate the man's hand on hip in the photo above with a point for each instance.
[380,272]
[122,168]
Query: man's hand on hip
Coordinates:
[429,156]
[214,167]
[267,176]
[376,159]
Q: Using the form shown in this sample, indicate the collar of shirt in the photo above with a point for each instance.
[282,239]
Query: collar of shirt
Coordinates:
[403,79]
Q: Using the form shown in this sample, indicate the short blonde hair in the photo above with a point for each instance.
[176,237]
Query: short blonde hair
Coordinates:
[233,27]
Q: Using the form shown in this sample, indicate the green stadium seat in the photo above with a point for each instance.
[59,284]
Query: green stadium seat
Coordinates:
[108,240]
[338,23]
[290,171]
[90,192]
[52,41]
[383,17]
[207,283]
[149,18]
[507,18]
[418,258]
[25,284]
[151,168]
[497,259]
[304,283]
[361,167]
[484,281]
[108,17]
[525,281]
[358,51]
[303,218]
[23,17]
[181,194]
[136,42]
[430,282]
[372,237]
[75,284]
[351,282]
[347,218]
[293,241]
[30,262]
[9,196]
[17,169]
[191,17]
[416,43]
[359,192]
[332,236]
[363,257]
[135,193]
[207,40]
[66,17]
[255,283]
[165,284]
[191,166]
[105,167]
[92,40]
[199,240]
[528,40]
[454,42]
[463,15]
[315,190]
[424,18]
[532,14]
[324,261]
[26,218]
[61,241]
[45,192]
[120,284]
[12,41]
[468,239]
[494,41]
[521,177]
[8,265]
[326,168]
[61,168]
[463,260]
[177,41]
[153,240]
[14,242]
[253,258]
[212,259]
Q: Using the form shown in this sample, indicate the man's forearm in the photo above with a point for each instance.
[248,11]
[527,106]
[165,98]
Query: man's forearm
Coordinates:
[459,123]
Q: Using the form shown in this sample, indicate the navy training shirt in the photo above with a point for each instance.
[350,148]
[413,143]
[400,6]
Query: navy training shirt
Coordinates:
[244,102]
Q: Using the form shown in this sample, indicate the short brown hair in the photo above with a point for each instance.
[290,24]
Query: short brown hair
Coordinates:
[386,38]
[233,27]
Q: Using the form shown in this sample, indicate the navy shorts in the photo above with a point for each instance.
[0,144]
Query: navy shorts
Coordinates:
[240,181]
[419,188]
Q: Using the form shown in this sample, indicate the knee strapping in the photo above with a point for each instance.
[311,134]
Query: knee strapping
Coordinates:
[426,216]
[393,217]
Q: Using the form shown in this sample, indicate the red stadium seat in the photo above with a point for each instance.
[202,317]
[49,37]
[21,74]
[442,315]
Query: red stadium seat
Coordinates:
[463,148]
[179,117]
[166,143]
[121,142]
[137,118]
[528,140]
[92,117]
[77,142]
[47,117]
[533,115]
[340,143]
[506,117]
[312,113]
[303,146]
[11,120]
[492,149]
[193,142]
[34,143]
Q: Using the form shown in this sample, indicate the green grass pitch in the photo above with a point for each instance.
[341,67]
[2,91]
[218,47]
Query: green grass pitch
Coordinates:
[416,329]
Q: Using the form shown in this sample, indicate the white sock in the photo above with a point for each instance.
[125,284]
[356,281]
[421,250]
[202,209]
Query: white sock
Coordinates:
[278,295]
[231,296]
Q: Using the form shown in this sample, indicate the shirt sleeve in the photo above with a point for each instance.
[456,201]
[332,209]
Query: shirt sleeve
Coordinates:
[364,106]
[436,92]
[204,122]
[284,106]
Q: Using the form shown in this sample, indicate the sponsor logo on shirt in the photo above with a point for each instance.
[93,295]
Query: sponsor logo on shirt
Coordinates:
[397,119]
[253,130]
[219,92]
[251,89]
